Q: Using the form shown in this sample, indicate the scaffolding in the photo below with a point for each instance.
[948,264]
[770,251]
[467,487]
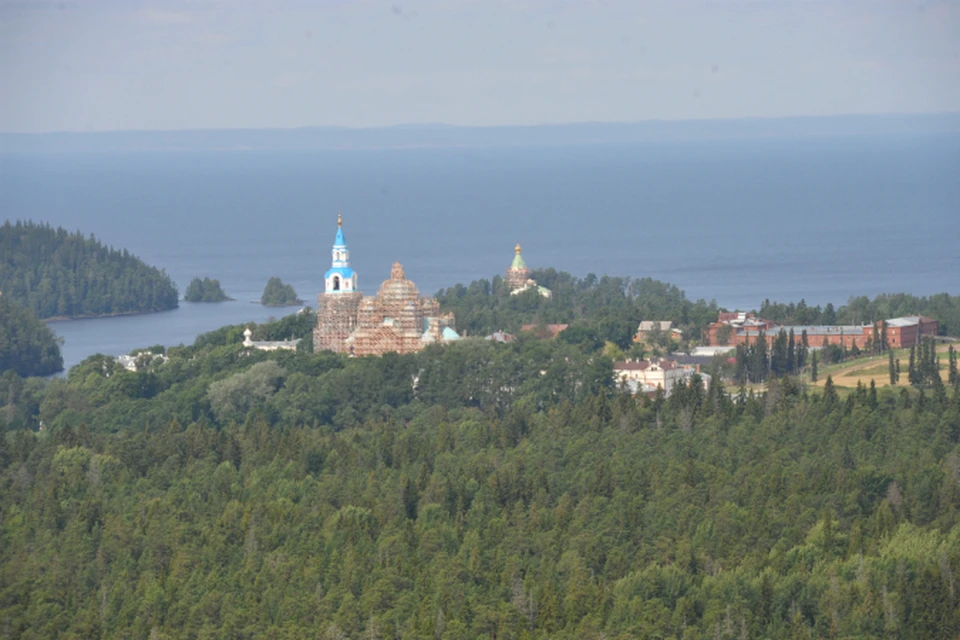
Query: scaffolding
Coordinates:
[397,319]
[336,320]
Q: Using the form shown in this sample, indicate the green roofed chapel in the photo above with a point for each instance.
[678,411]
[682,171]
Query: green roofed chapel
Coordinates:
[518,277]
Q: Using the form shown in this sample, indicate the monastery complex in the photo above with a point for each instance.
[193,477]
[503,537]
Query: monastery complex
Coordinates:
[396,319]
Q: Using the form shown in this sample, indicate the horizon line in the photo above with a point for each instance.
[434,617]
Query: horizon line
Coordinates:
[444,125]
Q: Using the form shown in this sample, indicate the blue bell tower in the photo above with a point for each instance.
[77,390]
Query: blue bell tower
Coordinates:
[340,278]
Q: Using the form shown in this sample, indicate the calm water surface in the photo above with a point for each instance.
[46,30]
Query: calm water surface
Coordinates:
[735,221]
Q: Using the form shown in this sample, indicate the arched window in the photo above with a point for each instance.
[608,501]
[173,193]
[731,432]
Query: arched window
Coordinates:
[336,283]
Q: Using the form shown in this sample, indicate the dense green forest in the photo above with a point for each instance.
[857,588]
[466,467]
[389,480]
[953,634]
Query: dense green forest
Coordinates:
[598,309]
[278,294]
[61,274]
[862,310]
[475,490]
[609,308]
[206,290]
[27,346]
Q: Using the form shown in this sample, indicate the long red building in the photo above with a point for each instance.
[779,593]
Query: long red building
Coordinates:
[732,329]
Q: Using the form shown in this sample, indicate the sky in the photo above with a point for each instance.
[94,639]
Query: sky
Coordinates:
[101,65]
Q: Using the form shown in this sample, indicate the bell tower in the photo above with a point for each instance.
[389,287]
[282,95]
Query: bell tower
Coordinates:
[338,304]
[340,278]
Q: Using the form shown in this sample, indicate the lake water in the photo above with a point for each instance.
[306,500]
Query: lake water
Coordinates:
[735,221]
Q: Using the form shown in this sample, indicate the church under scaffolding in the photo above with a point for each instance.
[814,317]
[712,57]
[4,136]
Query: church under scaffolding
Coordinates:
[397,319]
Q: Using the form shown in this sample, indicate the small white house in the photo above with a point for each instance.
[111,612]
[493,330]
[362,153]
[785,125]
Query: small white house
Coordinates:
[644,376]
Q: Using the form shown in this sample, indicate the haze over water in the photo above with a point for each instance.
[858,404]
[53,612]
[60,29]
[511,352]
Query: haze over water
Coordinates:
[733,220]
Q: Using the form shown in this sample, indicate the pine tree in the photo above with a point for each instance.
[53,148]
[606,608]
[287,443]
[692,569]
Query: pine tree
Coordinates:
[829,315]
[954,377]
[759,362]
[912,366]
[830,392]
[803,351]
[813,367]
[778,357]
[892,369]
[743,365]
[791,353]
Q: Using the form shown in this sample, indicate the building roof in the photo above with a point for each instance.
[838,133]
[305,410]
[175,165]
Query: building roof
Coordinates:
[501,336]
[908,321]
[651,325]
[279,344]
[344,272]
[449,334]
[821,330]
[710,351]
[339,241]
[518,261]
[631,365]
[728,316]
[684,359]
[642,365]
[812,330]
[552,329]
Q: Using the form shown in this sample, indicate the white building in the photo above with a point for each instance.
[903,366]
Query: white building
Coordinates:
[143,358]
[646,376]
[266,345]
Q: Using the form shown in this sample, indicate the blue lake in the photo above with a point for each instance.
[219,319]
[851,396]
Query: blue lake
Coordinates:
[735,221]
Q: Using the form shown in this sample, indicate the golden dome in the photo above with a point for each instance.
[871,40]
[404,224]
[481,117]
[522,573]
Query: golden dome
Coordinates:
[517,248]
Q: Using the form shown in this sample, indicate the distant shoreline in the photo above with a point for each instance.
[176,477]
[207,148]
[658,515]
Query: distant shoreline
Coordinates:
[106,315]
[499,136]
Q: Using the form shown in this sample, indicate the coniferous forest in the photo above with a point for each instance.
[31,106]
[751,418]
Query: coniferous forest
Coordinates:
[278,294]
[205,290]
[27,346]
[475,490]
[58,274]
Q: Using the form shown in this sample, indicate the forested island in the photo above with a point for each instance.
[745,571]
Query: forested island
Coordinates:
[477,489]
[58,274]
[206,290]
[27,346]
[278,294]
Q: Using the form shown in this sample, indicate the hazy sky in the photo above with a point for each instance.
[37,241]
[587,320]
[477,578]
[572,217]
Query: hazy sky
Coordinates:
[87,65]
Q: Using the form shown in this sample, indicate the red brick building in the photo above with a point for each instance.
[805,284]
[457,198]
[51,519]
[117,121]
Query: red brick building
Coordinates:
[909,330]
[735,329]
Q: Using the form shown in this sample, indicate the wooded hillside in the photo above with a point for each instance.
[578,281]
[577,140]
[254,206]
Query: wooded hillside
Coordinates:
[471,491]
[27,346]
[61,274]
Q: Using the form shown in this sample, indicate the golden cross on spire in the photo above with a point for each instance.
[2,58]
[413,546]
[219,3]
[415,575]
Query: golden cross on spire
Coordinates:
[517,248]
[339,219]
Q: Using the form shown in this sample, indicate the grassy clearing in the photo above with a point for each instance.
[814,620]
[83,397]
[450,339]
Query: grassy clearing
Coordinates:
[875,368]
[878,370]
